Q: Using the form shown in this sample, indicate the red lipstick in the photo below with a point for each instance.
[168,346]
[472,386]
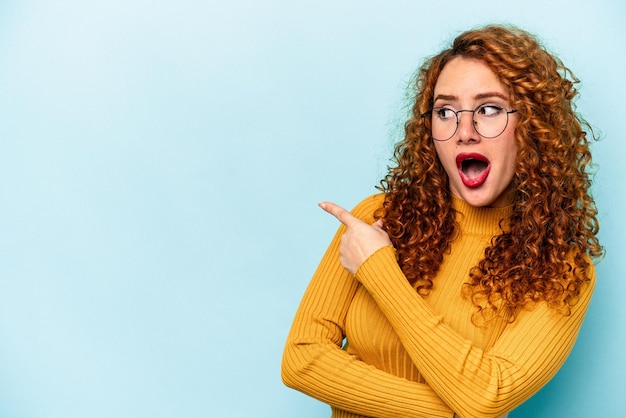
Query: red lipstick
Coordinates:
[473,168]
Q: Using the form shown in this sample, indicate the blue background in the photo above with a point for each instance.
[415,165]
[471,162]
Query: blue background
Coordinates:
[160,165]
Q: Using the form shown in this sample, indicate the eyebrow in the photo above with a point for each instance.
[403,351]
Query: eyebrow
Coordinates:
[479,96]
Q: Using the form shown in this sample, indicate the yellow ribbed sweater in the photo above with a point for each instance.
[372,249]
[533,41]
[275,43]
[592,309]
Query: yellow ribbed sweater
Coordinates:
[413,356]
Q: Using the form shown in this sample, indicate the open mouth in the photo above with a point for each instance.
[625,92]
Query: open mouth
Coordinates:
[473,169]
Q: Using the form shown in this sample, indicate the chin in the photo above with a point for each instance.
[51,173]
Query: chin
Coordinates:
[477,199]
[479,203]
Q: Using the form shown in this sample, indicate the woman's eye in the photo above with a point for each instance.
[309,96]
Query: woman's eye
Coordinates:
[444,113]
[489,110]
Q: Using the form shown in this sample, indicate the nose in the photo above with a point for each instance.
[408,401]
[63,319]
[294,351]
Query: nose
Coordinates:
[465,129]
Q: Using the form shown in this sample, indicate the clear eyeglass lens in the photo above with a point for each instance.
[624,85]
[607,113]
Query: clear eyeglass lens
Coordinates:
[489,121]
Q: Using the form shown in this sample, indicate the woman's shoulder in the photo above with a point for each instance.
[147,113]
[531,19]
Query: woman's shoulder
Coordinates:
[366,208]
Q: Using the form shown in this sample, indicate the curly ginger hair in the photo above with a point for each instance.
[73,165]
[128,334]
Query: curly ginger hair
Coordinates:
[545,248]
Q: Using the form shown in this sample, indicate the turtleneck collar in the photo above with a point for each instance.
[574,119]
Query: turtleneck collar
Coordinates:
[480,220]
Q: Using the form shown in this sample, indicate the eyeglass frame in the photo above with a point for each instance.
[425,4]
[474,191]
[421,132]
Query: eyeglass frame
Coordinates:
[456,114]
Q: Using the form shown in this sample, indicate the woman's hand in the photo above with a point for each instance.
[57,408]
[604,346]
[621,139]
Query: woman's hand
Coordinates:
[360,239]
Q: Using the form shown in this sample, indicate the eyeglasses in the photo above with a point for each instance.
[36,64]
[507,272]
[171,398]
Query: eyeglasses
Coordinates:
[489,121]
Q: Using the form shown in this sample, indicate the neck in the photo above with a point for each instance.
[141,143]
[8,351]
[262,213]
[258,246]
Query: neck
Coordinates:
[481,220]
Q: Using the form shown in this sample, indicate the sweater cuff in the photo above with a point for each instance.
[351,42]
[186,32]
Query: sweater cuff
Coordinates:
[383,260]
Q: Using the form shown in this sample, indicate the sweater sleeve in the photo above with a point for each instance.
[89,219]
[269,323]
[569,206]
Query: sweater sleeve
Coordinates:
[474,382]
[314,362]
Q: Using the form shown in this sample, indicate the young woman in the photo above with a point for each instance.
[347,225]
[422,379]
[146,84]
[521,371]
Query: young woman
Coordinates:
[462,287]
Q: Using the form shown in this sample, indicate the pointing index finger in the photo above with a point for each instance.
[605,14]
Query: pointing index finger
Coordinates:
[338,212]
